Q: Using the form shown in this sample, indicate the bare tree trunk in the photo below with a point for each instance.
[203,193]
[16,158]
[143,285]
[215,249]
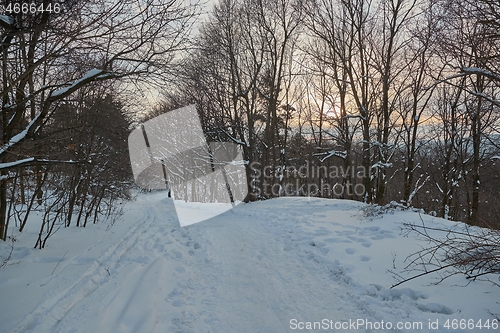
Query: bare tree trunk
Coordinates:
[4,223]
[476,144]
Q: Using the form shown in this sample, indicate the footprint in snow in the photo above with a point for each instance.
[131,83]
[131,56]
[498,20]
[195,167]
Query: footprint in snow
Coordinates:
[177,255]
[180,269]
[435,308]
[178,303]
[322,232]
[337,240]
[350,250]
[175,293]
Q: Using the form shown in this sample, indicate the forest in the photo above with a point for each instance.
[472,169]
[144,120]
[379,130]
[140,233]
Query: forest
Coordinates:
[377,101]
[381,101]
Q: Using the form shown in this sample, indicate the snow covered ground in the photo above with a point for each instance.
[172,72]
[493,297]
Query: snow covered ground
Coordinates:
[283,265]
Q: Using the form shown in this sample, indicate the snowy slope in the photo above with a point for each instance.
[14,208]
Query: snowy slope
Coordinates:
[274,266]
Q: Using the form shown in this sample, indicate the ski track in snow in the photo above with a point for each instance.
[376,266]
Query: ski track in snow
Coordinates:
[51,312]
[244,271]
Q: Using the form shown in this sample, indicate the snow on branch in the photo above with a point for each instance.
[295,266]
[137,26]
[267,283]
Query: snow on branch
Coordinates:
[465,71]
[236,141]
[19,137]
[381,165]
[488,98]
[34,161]
[331,153]
[417,188]
[11,165]
[479,71]
[91,75]
[6,21]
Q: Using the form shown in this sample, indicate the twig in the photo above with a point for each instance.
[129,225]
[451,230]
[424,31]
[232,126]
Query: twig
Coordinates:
[422,274]
[59,263]
[473,254]
[6,260]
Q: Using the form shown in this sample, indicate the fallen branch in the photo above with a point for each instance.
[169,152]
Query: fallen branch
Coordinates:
[471,253]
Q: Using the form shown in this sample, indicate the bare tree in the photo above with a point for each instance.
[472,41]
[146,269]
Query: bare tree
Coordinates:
[469,51]
[414,101]
[241,72]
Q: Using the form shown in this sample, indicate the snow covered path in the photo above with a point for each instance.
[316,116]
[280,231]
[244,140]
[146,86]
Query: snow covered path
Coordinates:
[252,269]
